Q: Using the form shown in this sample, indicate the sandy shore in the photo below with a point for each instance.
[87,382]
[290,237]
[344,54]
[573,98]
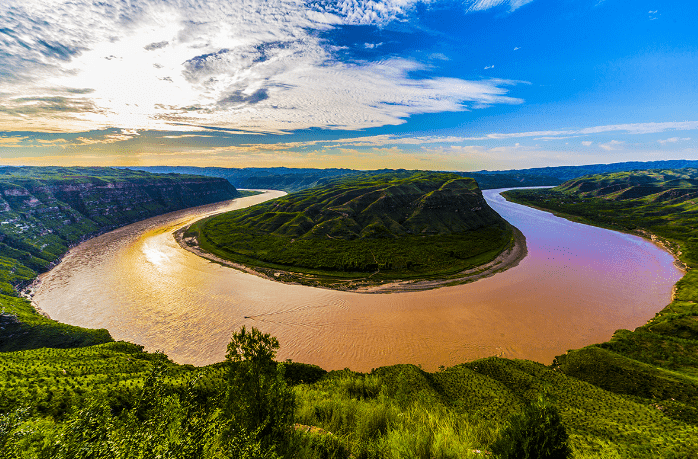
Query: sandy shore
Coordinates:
[505,260]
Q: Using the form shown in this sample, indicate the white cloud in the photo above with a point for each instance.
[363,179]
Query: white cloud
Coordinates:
[612,145]
[643,128]
[489,67]
[252,65]
[673,140]
[634,128]
[12,141]
[383,140]
[482,5]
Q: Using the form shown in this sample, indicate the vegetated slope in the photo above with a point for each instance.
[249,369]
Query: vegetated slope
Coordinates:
[565,173]
[395,411]
[633,397]
[396,225]
[657,362]
[44,210]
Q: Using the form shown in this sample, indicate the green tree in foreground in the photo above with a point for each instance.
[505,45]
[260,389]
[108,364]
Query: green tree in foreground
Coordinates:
[258,401]
[537,433]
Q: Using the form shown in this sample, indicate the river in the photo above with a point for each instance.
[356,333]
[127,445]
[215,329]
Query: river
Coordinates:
[576,286]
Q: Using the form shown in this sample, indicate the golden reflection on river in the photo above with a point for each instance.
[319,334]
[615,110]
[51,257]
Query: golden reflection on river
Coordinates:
[577,285]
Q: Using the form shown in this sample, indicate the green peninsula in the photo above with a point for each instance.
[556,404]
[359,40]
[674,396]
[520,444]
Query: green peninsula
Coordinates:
[363,231]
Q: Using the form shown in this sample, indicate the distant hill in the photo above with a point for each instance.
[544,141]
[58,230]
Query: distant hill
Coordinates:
[265,178]
[564,173]
[393,225]
[292,179]
[364,206]
[659,185]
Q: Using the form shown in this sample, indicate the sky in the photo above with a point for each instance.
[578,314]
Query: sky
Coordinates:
[364,84]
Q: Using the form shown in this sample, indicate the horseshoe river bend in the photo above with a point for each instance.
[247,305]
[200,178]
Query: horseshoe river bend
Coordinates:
[577,285]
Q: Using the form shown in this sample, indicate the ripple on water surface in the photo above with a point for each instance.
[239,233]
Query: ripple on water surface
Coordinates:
[577,285]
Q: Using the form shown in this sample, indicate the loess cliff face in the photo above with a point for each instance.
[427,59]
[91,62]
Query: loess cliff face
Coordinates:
[43,210]
[71,204]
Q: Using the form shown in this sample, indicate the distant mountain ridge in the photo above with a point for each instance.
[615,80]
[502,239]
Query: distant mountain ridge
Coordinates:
[658,185]
[295,179]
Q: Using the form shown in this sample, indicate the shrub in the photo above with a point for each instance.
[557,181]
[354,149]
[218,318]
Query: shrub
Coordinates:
[537,433]
[258,401]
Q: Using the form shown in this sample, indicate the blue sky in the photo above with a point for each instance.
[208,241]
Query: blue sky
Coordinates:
[451,85]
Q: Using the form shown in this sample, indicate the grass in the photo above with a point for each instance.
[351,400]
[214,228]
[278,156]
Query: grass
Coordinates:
[367,227]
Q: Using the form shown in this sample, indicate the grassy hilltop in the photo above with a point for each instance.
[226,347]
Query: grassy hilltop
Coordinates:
[372,227]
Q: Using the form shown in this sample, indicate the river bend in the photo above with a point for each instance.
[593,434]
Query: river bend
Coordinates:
[576,286]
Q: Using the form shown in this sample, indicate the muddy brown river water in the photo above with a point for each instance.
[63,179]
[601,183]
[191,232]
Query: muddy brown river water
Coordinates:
[576,286]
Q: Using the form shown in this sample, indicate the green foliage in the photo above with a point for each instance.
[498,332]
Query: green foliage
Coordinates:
[9,422]
[322,445]
[258,401]
[655,364]
[536,433]
[142,405]
[369,227]
[24,328]
[297,373]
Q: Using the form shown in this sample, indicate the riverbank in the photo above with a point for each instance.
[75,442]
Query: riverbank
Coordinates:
[658,241]
[509,258]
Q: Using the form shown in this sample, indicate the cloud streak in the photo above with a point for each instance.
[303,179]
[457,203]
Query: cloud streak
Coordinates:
[253,65]
[482,5]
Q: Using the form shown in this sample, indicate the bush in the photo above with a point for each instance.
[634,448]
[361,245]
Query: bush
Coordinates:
[537,433]
[258,401]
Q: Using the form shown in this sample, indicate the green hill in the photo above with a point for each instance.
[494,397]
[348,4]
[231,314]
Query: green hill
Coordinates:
[390,226]
[661,185]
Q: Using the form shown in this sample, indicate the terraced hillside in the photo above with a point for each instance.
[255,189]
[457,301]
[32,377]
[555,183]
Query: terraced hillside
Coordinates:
[119,401]
[390,226]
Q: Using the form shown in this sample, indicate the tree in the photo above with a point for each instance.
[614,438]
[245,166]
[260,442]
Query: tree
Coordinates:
[258,401]
[537,433]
